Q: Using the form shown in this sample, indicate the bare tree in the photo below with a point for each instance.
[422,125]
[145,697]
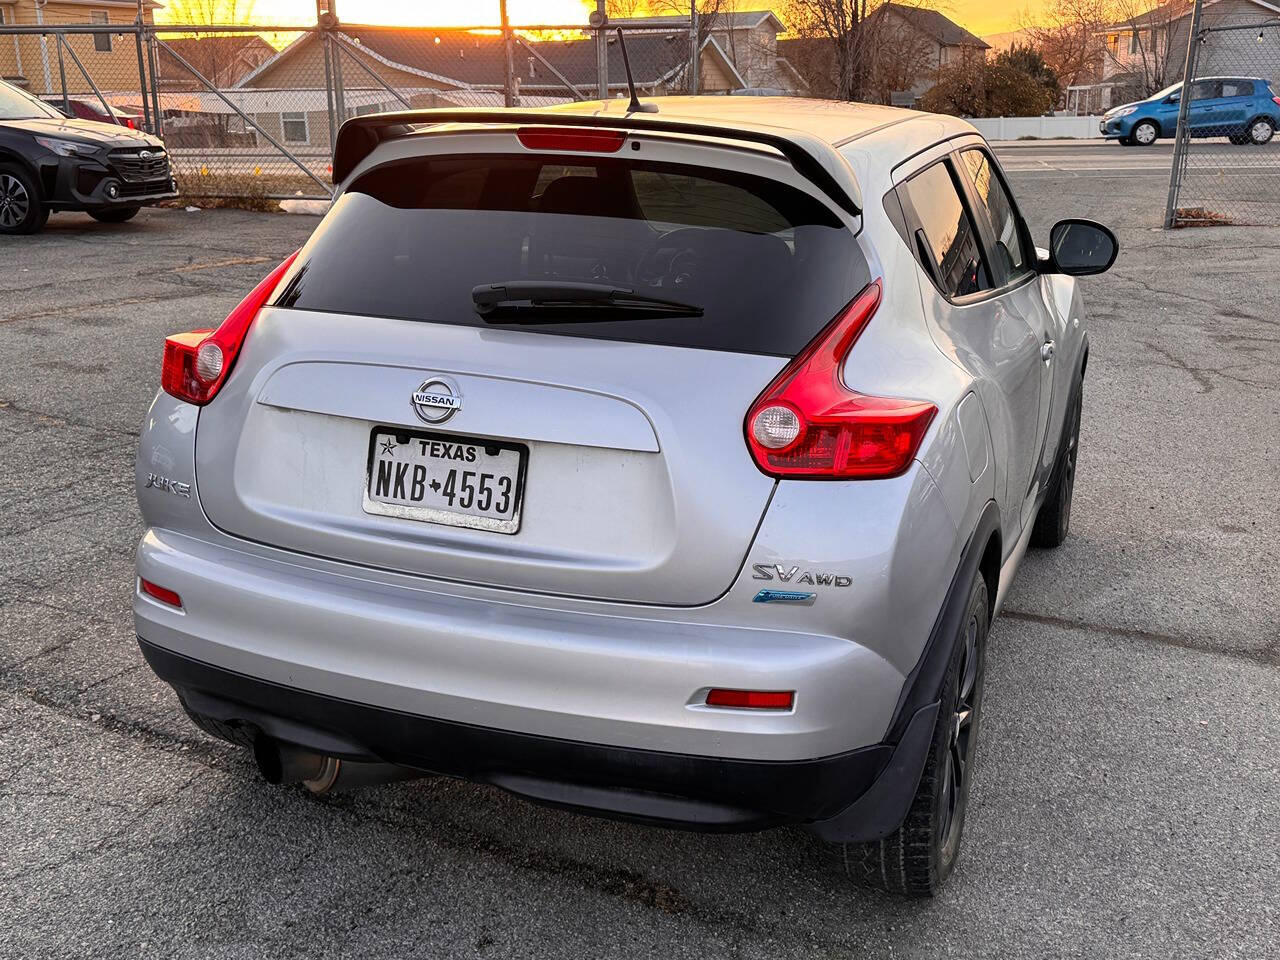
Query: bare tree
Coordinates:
[1071,37]
[841,49]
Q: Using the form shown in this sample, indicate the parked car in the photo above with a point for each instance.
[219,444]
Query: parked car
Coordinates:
[665,466]
[49,162]
[94,110]
[1244,109]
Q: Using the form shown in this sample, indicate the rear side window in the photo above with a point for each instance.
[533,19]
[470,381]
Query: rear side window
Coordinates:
[768,265]
[1237,88]
[944,238]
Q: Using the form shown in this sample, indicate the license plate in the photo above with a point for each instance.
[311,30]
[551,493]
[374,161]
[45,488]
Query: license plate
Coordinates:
[438,478]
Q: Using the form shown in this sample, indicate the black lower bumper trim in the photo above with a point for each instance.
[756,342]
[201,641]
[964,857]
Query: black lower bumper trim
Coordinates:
[697,792]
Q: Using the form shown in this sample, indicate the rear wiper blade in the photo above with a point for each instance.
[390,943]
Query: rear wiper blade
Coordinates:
[531,301]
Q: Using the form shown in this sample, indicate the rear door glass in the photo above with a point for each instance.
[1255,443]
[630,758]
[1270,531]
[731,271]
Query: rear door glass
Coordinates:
[769,265]
[944,236]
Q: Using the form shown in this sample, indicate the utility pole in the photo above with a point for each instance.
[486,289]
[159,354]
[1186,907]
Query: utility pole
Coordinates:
[510,96]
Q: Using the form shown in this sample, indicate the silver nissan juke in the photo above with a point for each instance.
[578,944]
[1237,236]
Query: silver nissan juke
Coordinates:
[666,466]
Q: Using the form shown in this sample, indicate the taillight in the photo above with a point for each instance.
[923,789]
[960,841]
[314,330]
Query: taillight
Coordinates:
[196,364]
[581,139]
[808,425]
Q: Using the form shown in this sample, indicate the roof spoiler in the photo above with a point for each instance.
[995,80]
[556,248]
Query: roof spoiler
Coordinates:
[813,158]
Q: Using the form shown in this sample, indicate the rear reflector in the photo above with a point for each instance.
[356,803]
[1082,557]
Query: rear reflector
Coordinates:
[752,699]
[160,593]
[196,364]
[581,140]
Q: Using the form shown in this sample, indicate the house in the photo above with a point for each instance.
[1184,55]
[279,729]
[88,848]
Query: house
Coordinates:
[447,68]
[223,59]
[906,45]
[914,43]
[747,39]
[1146,52]
[31,62]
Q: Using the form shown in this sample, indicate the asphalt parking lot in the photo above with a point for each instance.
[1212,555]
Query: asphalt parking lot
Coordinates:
[1128,787]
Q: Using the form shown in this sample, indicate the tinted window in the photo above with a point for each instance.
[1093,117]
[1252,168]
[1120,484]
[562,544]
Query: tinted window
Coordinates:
[946,232]
[768,264]
[1206,90]
[1237,88]
[1010,257]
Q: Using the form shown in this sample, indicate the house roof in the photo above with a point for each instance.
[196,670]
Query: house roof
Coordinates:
[934,24]
[731,20]
[1174,10]
[467,59]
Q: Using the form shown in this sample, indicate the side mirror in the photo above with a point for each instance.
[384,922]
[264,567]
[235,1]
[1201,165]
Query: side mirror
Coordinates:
[1080,248]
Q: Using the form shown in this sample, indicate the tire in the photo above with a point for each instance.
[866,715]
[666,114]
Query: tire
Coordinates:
[917,858]
[21,210]
[1145,133]
[1261,130]
[115,215]
[1054,519]
[241,736]
[1125,141]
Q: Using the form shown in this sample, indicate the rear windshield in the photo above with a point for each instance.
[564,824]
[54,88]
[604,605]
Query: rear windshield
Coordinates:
[767,264]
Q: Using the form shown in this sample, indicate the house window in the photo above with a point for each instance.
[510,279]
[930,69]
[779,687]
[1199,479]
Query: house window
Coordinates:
[101,41]
[1113,43]
[1134,46]
[294,127]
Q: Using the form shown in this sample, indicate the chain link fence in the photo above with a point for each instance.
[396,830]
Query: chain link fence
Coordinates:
[252,111]
[1226,165]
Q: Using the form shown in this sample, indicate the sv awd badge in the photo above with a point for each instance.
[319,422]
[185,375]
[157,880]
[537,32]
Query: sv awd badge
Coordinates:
[812,578]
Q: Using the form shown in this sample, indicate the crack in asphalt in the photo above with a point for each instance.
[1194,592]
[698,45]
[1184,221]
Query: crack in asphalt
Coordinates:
[1266,655]
[58,420]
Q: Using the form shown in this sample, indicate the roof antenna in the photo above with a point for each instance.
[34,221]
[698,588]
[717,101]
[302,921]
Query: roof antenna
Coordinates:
[635,106]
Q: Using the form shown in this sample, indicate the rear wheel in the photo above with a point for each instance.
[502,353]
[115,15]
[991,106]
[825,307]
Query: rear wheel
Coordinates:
[20,208]
[1145,133]
[115,215]
[1261,131]
[918,857]
[1054,519]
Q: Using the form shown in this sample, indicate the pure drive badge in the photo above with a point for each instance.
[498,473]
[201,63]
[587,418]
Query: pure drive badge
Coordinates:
[436,400]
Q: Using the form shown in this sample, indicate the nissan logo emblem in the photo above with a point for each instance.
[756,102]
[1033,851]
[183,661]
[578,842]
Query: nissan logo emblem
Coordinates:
[436,400]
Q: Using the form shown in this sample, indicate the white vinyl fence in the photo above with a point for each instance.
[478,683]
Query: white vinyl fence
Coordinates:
[1042,128]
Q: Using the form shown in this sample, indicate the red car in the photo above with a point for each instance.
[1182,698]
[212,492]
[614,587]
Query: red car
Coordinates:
[94,110]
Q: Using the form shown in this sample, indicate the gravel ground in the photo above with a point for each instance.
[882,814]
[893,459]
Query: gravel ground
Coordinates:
[1127,791]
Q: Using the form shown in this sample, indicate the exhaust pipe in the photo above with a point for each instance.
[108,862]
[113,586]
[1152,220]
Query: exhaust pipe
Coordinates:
[280,763]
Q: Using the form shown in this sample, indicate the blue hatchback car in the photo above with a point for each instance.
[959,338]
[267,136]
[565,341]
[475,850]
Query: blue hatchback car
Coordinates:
[1243,109]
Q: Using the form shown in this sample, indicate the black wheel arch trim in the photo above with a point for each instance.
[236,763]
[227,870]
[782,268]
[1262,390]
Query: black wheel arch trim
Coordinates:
[923,685]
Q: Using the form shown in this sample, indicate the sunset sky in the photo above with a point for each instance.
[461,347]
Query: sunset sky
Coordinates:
[979,16]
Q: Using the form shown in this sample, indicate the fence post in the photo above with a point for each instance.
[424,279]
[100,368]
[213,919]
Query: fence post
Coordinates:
[153,60]
[62,75]
[1184,103]
[695,55]
[142,71]
[600,21]
[508,77]
[326,42]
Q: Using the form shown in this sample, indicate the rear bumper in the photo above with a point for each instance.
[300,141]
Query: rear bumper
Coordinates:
[634,678]
[696,792]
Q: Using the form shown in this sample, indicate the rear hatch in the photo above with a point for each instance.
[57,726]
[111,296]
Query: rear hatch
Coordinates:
[568,434]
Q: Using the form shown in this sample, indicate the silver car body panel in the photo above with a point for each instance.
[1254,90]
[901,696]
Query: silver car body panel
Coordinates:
[606,619]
